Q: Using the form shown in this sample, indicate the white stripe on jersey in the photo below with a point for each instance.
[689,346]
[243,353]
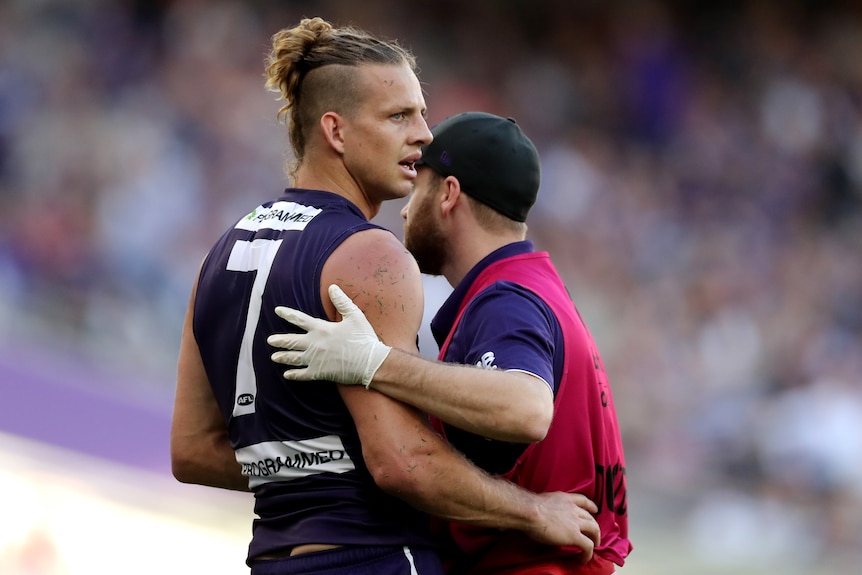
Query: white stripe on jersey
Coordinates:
[285,460]
[409,556]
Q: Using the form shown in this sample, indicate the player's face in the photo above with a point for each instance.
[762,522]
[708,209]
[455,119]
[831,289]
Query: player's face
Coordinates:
[423,236]
[384,138]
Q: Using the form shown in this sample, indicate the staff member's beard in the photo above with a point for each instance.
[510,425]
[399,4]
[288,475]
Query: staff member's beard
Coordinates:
[423,238]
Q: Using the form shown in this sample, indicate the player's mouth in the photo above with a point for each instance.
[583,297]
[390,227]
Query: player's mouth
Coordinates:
[408,164]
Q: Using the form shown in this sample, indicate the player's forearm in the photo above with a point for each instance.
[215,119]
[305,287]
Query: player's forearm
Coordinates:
[443,483]
[492,503]
[411,462]
[500,405]
[451,488]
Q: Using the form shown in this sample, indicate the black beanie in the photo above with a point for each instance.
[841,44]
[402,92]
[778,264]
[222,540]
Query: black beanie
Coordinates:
[494,161]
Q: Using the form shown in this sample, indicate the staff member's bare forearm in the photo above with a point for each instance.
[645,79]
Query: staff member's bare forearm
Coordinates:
[509,406]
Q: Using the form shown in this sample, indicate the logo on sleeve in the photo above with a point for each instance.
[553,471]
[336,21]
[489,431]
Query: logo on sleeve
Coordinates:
[487,361]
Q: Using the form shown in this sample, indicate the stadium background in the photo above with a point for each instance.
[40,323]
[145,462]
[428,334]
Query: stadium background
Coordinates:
[702,196]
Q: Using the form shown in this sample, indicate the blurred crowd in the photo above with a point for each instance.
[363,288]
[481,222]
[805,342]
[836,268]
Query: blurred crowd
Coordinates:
[701,195]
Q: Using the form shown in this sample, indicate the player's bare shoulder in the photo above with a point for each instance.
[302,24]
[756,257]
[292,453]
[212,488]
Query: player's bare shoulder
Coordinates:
[380,275]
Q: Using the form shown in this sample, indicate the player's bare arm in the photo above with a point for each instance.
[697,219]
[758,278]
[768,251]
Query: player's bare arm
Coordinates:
[200,449]
[406,457]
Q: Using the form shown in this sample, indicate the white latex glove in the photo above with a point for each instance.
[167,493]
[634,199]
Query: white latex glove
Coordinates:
[346,351]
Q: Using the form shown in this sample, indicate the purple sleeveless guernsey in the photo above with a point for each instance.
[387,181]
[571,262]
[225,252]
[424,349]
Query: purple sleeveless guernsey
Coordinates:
[297,443]
[582,451]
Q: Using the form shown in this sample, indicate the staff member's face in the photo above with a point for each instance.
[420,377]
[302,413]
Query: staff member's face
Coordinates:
[423,235]
[383,139]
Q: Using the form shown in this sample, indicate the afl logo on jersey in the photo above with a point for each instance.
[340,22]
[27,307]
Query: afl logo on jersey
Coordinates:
[245,399]
[487,361]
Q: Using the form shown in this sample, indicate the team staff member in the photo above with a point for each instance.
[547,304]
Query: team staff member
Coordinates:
[337,471]
[511,316]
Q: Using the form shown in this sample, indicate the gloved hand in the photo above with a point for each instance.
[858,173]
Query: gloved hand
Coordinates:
[346,351]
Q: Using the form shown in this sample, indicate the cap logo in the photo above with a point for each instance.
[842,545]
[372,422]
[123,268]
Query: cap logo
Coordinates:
[445,159]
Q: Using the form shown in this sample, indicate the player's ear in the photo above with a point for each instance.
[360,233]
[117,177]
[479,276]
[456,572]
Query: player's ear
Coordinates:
[332,127]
